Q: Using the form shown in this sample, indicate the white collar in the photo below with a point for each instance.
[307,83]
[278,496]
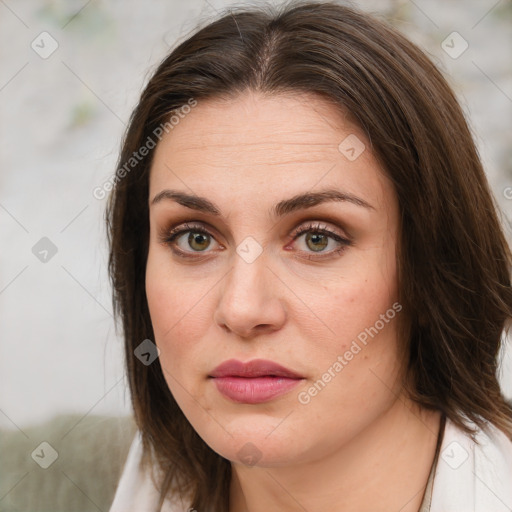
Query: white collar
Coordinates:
[473,476]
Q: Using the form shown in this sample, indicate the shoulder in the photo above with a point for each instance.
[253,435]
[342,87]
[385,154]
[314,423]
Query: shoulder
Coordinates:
[136,491]
[474,472]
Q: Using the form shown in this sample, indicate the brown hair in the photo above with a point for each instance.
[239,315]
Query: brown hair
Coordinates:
[453,259]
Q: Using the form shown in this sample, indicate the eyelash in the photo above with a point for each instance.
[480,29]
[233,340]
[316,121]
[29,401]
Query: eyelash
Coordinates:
[168,238]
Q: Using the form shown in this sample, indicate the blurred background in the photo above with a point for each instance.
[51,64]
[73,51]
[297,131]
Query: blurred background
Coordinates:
[71,72]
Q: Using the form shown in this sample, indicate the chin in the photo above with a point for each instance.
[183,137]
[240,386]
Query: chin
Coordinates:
[255,443]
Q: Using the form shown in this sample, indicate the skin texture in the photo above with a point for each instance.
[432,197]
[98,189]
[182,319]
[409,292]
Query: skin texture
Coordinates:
[358,444]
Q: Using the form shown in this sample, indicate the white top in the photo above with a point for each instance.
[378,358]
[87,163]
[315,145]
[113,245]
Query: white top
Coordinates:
[468,477]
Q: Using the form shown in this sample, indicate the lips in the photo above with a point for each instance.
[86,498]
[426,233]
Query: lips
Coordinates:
[254,368]
[254,382]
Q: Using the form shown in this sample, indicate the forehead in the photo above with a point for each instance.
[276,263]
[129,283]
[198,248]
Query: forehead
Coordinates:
[252,120]
[260,144]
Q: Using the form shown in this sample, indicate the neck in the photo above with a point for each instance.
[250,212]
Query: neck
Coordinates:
[385,467]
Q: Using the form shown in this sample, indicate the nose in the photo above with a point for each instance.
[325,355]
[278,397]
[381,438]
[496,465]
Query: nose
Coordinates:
[250,303]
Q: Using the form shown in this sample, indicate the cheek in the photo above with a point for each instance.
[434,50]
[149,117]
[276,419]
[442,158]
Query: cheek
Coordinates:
[359,301]
[167,306]
[168,314]
[359,376]
[362,312]
[161,296]
[178,308]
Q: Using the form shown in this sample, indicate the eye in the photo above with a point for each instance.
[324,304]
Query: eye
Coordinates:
[317,238]
[198,239]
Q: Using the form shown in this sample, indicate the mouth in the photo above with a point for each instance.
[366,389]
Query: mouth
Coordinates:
[254,382]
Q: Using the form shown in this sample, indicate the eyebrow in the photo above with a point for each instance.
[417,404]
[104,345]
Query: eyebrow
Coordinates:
[282,208]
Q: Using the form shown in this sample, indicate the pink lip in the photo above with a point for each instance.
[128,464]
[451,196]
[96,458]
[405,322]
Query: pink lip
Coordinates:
[253,382]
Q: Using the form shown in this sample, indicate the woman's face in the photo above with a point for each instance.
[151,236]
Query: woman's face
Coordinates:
[321,303]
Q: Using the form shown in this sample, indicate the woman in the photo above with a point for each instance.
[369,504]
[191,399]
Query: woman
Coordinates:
[311,276]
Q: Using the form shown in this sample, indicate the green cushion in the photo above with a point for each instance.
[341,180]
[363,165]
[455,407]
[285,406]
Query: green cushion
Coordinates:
[84,460]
